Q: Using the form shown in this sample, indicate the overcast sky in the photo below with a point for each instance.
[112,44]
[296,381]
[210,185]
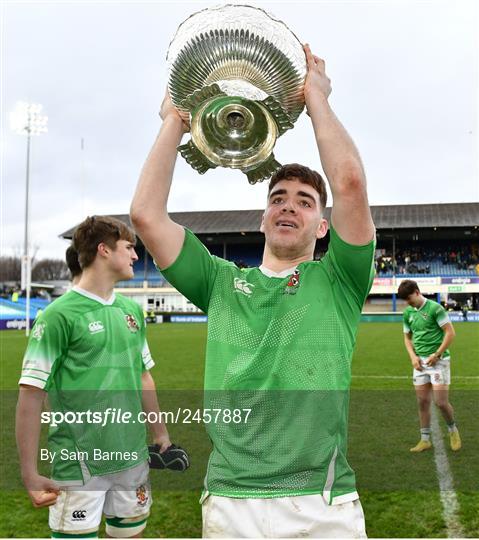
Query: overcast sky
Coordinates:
[405,85]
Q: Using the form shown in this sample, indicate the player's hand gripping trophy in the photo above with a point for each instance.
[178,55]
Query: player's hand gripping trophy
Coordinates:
[236,76]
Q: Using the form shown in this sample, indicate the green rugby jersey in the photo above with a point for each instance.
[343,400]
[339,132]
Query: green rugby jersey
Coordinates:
[282,347]
[89,354]
[426,324]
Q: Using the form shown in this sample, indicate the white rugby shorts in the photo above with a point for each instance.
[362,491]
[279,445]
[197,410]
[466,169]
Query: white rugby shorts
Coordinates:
[124,497]
[440,373]
[305,516]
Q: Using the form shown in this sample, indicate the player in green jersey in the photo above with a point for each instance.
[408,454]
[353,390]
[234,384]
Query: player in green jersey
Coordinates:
[88,352]
[428,332]
[280,337]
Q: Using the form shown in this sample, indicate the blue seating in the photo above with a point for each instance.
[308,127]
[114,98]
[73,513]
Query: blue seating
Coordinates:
[38,303]
[15,310]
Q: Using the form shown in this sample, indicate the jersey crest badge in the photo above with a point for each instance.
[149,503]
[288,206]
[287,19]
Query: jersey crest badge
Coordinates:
[424,315]
[131,323]
[38,330]
[141,496]
[293,283]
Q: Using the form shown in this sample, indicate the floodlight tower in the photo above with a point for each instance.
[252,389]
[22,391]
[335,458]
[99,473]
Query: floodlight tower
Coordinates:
[27,120]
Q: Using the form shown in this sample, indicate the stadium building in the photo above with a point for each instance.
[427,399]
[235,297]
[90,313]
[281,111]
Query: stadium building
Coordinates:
[435,244]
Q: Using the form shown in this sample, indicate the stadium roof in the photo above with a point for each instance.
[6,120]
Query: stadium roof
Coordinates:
[385,217]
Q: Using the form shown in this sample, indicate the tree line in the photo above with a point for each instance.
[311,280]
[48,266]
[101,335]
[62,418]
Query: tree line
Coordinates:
[42,270]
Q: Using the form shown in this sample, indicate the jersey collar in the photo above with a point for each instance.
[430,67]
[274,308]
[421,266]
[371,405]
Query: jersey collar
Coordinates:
[92,296]
[422,305]
[269,273]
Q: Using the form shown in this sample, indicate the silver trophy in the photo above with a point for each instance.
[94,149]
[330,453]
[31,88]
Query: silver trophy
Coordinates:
[240,74]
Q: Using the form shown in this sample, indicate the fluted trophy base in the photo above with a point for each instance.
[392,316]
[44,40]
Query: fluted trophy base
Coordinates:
[233,132]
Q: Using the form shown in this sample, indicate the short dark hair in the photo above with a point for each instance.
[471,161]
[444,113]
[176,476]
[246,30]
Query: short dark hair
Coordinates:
[96,230]
[71,257]
[303,174]
[407,287]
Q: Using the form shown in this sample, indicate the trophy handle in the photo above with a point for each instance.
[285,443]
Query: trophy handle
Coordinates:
[199,96]
[280,116]
[195,158]
[264,171]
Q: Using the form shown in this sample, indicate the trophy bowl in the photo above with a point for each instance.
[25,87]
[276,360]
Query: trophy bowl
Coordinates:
[239,72]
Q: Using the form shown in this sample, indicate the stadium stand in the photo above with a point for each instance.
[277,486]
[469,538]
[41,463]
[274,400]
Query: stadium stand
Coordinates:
[412,240]
[437,244]
[14,310]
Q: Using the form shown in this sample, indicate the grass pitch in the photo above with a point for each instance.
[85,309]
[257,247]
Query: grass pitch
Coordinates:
[399,491]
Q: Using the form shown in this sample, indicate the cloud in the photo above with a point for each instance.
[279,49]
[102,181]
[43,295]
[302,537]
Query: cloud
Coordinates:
[405,84]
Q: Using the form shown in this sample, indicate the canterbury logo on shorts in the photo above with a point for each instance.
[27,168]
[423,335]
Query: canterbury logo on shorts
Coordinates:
[79,515]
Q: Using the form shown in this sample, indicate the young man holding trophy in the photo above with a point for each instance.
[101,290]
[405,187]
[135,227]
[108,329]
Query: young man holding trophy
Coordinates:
[280,337]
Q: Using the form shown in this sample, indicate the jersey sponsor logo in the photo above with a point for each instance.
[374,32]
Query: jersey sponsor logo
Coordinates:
[95,327]
[242,286]
[79,515]
[38,330]
[131,323]
[293,283]
[141,495]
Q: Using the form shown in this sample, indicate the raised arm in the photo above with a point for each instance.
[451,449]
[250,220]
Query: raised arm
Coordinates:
[351,216]
[162,237]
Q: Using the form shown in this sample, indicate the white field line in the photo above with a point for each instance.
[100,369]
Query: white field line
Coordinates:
[449,500]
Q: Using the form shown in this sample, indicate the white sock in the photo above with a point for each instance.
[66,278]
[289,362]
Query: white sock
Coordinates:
[452,427]
[426,434]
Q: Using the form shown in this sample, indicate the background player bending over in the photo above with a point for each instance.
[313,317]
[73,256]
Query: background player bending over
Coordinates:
[428,332]
[280,337]
[89,352]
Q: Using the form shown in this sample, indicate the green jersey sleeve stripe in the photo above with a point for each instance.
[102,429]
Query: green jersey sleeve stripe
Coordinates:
[27,371]
[32,381]
[35,369]
[34,377]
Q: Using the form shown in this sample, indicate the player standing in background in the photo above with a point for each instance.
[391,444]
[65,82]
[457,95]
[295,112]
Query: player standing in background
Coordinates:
[280,337]
[428,332]
[88,351]
[71,257]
